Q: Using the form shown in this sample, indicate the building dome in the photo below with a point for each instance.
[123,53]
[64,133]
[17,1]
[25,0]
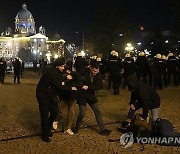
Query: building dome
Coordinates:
[24,13]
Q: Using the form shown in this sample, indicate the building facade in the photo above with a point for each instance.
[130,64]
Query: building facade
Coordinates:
[25,37]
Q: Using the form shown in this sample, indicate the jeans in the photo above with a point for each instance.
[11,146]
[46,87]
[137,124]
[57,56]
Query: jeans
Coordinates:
[96,110]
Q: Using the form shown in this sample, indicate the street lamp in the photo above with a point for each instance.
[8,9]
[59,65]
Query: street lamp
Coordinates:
[129,47]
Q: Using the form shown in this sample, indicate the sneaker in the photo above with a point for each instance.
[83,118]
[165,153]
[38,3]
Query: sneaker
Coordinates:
[55,125]
[46,139]
[105,132]
[69,132]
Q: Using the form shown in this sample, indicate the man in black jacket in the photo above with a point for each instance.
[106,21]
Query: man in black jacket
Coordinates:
[93,82]
[142,96]
[47,91]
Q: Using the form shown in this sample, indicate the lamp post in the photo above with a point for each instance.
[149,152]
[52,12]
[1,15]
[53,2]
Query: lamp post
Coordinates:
[129,48]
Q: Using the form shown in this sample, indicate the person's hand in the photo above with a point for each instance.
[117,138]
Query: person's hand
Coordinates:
[69,77]
[132,107]
[85,87]
[68,71]
[73,88]
[140,118]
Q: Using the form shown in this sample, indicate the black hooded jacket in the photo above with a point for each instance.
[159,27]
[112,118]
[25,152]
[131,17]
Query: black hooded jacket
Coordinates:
[142,95]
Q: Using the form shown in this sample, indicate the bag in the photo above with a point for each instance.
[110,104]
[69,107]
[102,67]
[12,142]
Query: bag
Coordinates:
[165,129]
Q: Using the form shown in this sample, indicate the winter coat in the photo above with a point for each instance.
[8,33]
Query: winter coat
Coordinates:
[94,84]
[52,84]
[142,95]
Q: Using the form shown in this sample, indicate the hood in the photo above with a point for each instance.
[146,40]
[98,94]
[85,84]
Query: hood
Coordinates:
[133,82]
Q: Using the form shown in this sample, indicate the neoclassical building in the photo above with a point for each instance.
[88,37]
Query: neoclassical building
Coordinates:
[26,37]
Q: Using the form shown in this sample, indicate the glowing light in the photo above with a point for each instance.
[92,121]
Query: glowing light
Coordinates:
[56,56]
[139,43]
[83,53]
[34,51]
[9,44]
[129,47]
[166,41]
[48,55]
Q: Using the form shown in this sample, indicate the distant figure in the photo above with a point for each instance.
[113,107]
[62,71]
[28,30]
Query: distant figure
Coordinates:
[115,67]
[2,69]
[42,66]
[22,69]
[142,66]
[35,63]
[17,70]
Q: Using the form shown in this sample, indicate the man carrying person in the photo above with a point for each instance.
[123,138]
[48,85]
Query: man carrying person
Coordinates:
[47,91]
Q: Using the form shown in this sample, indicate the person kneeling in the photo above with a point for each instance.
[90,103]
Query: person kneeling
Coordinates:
[142,96]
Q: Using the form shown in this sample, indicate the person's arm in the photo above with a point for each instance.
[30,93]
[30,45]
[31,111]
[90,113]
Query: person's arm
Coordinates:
[56,82]
[133,98]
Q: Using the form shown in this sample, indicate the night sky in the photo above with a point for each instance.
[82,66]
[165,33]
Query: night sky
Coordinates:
[70,16]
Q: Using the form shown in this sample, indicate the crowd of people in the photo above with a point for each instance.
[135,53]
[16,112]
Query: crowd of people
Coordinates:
[68,82]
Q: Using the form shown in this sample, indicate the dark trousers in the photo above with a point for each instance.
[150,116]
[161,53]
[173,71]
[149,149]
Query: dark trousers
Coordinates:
[97,112]
[17,76]
[2,74]
[116,80]
[49,112]
[174,76]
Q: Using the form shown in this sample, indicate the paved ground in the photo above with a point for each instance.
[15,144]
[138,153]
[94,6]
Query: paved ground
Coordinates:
[20,122]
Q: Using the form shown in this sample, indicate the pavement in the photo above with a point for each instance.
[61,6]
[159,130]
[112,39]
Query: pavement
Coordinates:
[20,122]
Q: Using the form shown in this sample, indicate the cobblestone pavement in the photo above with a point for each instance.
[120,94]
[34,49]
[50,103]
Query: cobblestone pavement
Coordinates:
[20,122]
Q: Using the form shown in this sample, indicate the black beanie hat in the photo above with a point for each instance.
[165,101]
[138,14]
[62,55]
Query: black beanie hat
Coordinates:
[59,61]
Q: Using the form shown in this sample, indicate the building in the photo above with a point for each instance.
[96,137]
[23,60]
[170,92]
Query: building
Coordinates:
[25,38]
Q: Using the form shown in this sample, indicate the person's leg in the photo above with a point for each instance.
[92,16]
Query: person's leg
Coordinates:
[3,74]
[54,112]
[155,114]
[18,77]
[97,112]
[44,113]
[63,108]
[71,113]
[15,78]
[99,119]
[82,112]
